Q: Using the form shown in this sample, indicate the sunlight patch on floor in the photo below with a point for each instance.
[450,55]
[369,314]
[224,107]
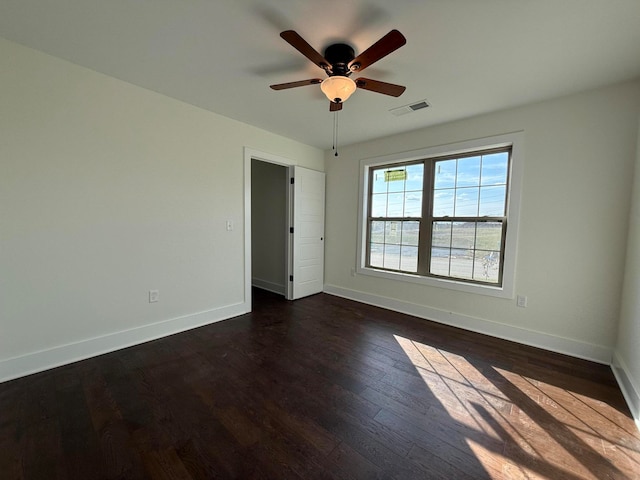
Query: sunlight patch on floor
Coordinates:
[539,425]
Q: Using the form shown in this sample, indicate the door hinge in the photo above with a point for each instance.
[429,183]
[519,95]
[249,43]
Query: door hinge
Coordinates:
[291,278]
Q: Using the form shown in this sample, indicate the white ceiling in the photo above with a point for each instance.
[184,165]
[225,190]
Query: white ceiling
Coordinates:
[465,57]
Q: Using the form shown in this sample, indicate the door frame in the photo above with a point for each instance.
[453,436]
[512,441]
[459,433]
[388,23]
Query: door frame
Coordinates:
[252,154]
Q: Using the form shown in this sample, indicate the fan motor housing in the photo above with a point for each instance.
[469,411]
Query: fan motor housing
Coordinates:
[339,55]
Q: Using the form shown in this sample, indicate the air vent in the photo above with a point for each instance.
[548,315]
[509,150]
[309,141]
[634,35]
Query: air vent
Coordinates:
[410,108]
[418,106]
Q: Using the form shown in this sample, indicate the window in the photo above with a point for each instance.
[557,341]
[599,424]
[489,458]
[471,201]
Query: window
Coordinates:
[395,207]
[443,219]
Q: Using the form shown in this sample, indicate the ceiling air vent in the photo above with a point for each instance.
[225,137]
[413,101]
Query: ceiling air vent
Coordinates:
[410,108]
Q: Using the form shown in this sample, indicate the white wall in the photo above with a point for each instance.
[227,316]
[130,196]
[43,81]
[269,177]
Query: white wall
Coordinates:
[107,191]
[626,363]
[579,156]
[269,183]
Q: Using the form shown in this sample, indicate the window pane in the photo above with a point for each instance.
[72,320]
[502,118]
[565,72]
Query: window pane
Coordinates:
[413,204]
[378,185]
[393,233]
[376,254]
[443,201]
[395,178]
[395,205]
[445,174]
[464,250]
[489,236]
[487,266]
[394,245]
[379,205]
[463,235]
[494,168]
[441,235]
[466,202]
[461,264]
[439,261]
[410,233]
[415,177]
[392,257]
[377,232]
[409,259]
[492,201]
[468,172]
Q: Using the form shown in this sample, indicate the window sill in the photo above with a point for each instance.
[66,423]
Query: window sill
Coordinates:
[487,290]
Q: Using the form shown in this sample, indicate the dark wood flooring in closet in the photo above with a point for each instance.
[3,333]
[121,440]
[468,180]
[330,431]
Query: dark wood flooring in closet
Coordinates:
[320,388]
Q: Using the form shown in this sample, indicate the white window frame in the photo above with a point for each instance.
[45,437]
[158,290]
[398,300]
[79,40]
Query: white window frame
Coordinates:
[513,140]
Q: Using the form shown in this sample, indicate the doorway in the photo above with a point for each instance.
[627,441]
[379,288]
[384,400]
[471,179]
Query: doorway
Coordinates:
[284,226]
[269,225]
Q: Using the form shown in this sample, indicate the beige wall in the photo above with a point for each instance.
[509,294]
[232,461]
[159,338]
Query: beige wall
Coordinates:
[107,191]
[627,355]
[578,164]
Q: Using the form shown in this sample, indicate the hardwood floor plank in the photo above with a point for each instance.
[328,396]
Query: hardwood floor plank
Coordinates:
[319,438]
[348,464]
[42,456]
[437,467]
[198,462]
[448,446]
[165,465]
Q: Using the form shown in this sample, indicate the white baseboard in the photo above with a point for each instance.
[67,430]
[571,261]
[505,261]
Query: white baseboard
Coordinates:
[545,341]
[269,286]
[64,354]
[630,390]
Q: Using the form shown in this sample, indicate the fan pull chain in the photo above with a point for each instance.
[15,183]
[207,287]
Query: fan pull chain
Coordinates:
[335,132]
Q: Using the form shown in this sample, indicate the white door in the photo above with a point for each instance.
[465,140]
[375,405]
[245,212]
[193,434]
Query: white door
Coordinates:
[307,265]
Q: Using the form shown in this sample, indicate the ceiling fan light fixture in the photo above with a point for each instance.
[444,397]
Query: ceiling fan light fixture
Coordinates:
[338,88]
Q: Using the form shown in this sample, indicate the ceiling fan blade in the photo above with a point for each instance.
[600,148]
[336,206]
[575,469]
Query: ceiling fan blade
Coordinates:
[300,44]
[301,83]
[380,87]
[383,47]
[334,107]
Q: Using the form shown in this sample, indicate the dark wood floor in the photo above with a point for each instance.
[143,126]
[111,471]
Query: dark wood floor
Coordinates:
[320,388]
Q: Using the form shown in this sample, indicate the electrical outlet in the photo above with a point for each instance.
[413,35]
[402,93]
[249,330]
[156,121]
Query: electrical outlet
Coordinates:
[522,301]
[154,296]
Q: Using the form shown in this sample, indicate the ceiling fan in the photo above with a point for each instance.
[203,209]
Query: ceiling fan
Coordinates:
[339,62]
